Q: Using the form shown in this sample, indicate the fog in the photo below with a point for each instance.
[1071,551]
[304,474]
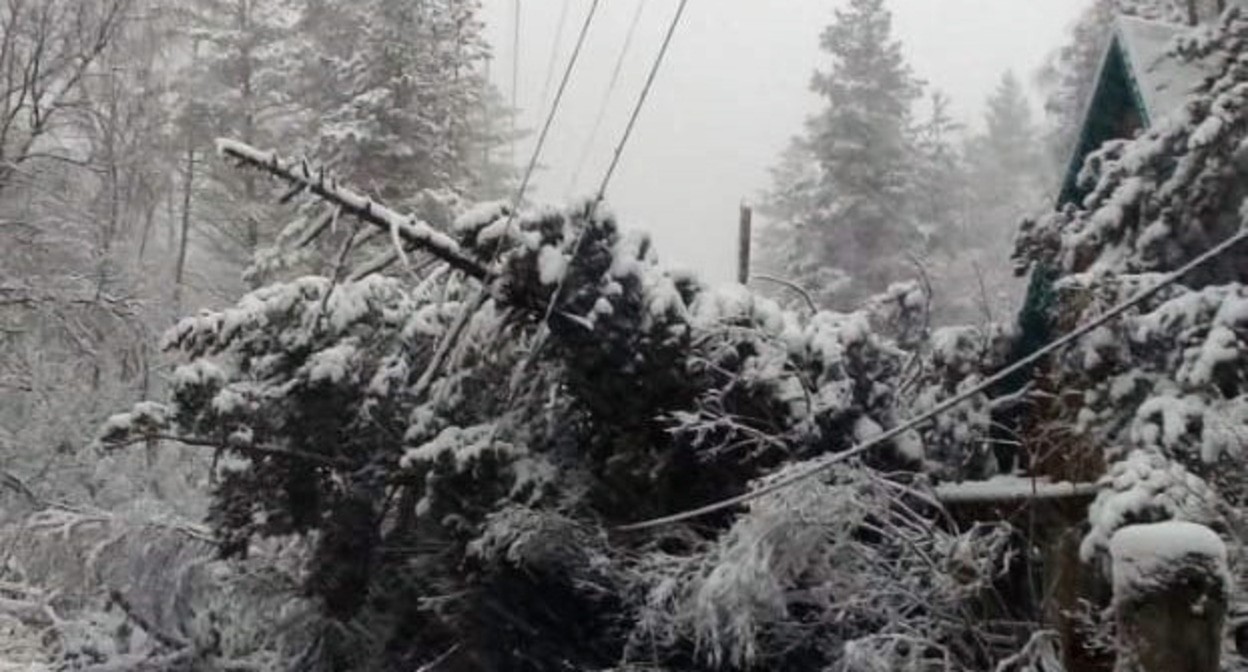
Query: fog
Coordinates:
[733,90]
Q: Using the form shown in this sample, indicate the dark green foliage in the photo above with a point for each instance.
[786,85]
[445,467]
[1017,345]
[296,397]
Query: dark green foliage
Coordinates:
[841,203]
[459,485]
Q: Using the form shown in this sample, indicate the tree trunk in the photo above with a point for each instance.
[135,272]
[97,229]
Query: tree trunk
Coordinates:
[179,269]
[246,74]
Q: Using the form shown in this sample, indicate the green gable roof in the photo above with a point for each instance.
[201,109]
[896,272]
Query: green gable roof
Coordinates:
[1115,111]
[1139,83]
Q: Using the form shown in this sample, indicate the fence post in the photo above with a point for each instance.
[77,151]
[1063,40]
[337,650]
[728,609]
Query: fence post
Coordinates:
[1170,595]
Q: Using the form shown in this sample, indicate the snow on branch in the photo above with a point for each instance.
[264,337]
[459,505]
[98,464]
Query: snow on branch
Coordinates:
[406,227]
[1011,489]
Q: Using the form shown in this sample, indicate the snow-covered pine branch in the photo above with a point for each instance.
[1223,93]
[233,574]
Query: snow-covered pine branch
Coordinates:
[410,229]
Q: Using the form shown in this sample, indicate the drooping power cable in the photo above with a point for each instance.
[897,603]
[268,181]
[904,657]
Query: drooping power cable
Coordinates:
[554,109]
[827,463]
[606,97]
[641,102]
[554,52]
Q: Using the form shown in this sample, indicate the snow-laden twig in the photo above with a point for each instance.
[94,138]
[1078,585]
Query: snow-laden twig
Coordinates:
[801,291]
[1039,649]
[170,640]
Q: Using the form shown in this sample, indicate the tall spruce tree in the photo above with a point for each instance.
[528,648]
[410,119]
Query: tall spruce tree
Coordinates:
[399,85]
[1006,175]
[235,66]
[856,220]
[1008,170]
[939,199]
[938,178]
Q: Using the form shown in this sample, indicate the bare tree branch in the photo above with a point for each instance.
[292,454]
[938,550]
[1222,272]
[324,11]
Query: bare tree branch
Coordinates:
[264,451]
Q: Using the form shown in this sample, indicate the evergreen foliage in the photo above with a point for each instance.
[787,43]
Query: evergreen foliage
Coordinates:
[460,483]
[1157,396]
[850,215]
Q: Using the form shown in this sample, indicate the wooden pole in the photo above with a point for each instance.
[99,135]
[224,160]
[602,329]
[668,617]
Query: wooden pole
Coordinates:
[1170,597]
[744,240]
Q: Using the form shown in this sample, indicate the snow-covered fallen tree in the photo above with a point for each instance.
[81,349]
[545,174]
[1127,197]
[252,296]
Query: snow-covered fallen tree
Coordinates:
[457,422]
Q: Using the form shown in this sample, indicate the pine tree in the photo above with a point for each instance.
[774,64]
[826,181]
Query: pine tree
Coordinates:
[399,85]
[462,482]
[489,173]
[790,206]
[1008,143]
[860,223]
[938,180]
[237,65]
[1007,176]
[939,200]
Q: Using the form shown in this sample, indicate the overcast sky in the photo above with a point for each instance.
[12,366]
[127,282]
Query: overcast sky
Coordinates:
[734,89]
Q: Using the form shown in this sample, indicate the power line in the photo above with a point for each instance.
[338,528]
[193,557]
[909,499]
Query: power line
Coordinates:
[641,101]
[606,98]
[619,149]
[482,291]
[554,108]
[827,463]
[554,51]
[515,76]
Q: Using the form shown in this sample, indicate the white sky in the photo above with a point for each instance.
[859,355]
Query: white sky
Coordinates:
[733,90]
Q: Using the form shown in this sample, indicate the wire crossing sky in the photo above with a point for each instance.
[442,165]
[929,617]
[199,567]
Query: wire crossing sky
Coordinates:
[735,88]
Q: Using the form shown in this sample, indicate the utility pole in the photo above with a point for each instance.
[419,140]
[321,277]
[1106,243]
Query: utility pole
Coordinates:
[744,240]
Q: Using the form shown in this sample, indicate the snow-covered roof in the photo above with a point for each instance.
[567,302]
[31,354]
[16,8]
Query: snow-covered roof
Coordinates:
[1162,81]
[1140,82]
